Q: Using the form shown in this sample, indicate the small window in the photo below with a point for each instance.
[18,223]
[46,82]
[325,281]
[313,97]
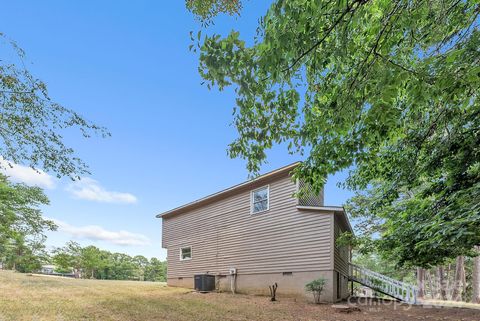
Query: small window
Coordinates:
[186,253]
[260,201]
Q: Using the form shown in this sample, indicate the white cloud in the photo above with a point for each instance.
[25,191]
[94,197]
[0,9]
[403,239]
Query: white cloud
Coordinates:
[27,175]
[98,233]
[89,189]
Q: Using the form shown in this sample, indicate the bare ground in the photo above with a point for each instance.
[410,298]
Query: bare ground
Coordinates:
[33,298]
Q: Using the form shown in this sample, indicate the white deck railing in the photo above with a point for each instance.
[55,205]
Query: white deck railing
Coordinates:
[379,282]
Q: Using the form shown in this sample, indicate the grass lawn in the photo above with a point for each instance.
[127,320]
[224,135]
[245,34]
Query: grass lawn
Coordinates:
[36,298]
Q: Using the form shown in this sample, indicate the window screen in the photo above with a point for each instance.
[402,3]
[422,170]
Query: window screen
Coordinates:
[260,200]
[185,253]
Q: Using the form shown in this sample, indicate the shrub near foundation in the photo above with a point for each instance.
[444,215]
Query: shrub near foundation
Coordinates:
[316,287]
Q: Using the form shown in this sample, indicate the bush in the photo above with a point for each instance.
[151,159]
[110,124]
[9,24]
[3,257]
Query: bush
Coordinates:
[316,287]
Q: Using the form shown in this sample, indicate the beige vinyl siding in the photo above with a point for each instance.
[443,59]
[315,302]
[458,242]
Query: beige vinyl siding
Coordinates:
[224,234]
[342,253]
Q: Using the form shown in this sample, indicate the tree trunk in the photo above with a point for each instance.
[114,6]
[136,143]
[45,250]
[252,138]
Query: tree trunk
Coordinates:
[441,283]
[421,283]
[476,277]
[448,282]
[430,285]
[459,277]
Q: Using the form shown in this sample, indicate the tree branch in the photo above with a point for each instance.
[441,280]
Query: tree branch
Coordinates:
[375,45]
[396,64]
[16,92]
[349,9]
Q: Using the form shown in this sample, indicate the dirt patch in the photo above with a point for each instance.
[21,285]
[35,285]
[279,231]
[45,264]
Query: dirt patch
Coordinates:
[245,307]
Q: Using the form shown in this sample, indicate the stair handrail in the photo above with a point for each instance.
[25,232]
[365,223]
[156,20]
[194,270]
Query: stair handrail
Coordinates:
[398,289]
[380,276]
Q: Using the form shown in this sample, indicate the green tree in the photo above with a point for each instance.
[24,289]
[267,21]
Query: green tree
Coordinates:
[27,255]
[387,89]
[62,263]
[207,9]
[156,270]
[141,263]
[68,257]
[416,228]
[100,264]
[22,227]
[122,267]
[90,260]
[32,124]
[93,261]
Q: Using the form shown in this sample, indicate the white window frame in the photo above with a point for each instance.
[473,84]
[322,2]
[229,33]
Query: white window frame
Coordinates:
[191,253]
[251,199]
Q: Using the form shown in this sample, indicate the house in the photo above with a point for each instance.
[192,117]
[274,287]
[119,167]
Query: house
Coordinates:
[47,269]
[258,233]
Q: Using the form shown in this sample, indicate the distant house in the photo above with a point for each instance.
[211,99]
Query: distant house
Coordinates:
[47,269]
[254,234]
[52,270]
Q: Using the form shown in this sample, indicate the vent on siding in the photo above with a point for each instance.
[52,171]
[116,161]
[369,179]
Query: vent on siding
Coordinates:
[307,197]
[287,273]
[180,278]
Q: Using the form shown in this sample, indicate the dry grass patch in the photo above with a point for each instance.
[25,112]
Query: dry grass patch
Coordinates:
[33,298]
[454,304]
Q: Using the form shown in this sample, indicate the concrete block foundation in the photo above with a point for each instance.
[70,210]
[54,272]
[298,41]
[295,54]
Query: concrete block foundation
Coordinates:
[289,284]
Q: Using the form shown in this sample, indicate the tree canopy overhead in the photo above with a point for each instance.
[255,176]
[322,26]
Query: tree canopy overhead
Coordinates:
[32,125]
[206,10]
[388,89]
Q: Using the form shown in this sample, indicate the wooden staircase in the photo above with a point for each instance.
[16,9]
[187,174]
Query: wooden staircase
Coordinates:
[378,282]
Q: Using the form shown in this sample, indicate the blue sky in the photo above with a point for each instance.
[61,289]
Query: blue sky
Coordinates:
[126,65]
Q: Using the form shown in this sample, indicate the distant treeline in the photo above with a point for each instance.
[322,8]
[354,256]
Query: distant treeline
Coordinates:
[93,263]
[87,262]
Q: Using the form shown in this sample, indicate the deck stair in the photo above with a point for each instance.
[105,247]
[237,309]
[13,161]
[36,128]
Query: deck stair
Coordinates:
[383,284]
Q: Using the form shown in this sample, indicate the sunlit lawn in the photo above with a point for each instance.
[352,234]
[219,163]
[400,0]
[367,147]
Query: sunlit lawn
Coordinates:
[36,298]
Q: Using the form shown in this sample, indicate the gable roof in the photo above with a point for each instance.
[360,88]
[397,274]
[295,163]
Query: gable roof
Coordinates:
[256,182]
[231,190]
